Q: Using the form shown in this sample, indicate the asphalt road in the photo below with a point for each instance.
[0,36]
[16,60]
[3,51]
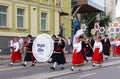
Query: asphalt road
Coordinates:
[112,72]
[42,70]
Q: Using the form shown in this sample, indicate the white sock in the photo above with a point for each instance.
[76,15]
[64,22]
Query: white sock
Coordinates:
[62,65]
[25,63]
[54,65]
[11,62]
[72,67]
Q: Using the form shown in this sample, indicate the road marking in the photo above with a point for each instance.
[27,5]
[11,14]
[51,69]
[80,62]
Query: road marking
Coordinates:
[86,75]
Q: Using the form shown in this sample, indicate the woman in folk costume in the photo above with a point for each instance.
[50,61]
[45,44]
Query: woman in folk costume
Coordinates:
[97,52]
[77,57]
[58,56]
[117,47]
[16,54]
[29,55]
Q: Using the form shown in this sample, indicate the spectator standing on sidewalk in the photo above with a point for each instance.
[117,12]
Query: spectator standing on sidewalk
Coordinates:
[16,54]
[21,44]
[10,44]
[69,43]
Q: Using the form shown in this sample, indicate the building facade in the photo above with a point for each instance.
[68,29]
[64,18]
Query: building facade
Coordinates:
[23,17]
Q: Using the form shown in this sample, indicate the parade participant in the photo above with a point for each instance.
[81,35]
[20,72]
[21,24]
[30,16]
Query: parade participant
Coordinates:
[29,55]
[98,54]
[83,48]
[55,40]
[106,46]
[59,57]
[117,47]
[77,57]
[16,54]
[89,48]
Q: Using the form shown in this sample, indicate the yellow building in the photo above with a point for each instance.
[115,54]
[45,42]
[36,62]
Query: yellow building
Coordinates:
[23,17]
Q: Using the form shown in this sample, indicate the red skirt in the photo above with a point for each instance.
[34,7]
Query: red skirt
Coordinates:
[77,59]
[16,56]
[116,50]
[97,57]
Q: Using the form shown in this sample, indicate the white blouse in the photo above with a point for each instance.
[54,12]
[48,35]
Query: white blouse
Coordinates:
[77,47]
[117,43]
[16,46]
[98,45]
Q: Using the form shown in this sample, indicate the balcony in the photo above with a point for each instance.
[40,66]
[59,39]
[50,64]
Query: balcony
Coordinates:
[87,6]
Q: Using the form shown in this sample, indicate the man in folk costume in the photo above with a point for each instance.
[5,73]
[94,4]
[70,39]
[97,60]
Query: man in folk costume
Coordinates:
[117,47]
[16,54]
[77,57]
[84,48]
[106,46]
[98,54]
[58,56]
[29,55]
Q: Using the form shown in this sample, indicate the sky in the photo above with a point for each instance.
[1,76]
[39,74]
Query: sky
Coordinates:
[118,9]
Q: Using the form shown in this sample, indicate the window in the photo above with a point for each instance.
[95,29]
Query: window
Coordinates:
[43,21]
[20,18]
[3,15]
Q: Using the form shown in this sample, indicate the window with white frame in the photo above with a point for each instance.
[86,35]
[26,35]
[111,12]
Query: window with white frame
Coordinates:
[3,16]
[43,21]
[20,18]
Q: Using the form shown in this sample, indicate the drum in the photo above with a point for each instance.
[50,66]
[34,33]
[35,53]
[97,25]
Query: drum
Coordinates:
[43,47]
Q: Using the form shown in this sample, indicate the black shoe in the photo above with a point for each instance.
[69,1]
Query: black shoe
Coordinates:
[52,68]
[62,68]
[71,69]
[93,65]
[32,65]
[10,65]
[24,65]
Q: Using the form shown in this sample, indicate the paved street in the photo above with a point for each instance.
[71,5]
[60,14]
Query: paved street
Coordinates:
[111,72]
[42,71]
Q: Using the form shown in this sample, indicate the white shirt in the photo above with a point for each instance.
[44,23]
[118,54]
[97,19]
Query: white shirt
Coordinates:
[77,47]
[98,45]
[21,41]
[16,46]
[117,43]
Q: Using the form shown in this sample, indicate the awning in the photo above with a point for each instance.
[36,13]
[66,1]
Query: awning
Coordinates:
[85,9]
[87,6]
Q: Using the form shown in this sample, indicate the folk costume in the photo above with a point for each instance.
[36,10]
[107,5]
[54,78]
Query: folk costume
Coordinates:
[58,56]
[29,55]
[116,48]
[16,54]
[106,47]
[77,56]
[98,54]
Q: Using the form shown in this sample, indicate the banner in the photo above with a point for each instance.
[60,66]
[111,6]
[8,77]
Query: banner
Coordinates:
[43,47]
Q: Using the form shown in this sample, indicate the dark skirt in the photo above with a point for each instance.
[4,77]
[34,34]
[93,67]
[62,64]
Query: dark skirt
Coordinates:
[28,57]
[59,58]
[89,52]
